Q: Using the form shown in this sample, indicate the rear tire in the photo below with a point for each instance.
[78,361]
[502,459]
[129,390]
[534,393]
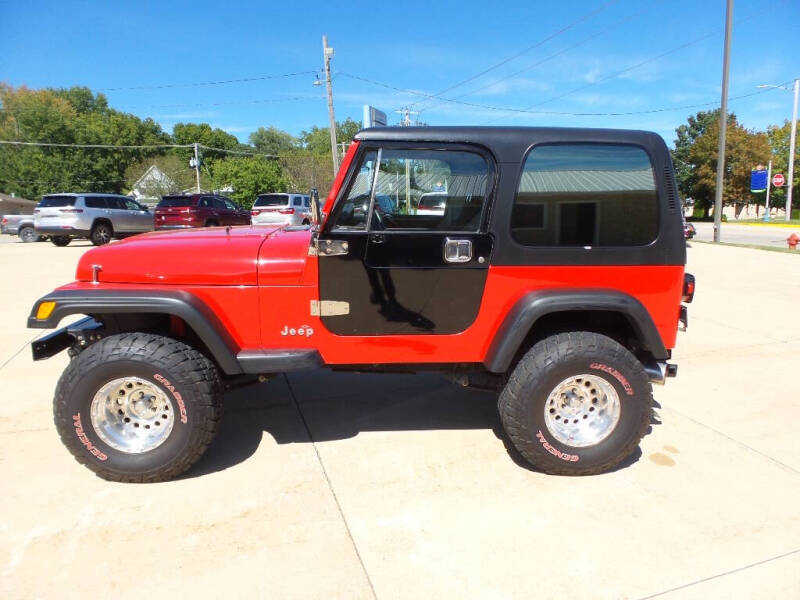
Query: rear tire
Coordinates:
[212,224]
[576,404]
[61,240]
[27,234]
[101,234]
[138,407]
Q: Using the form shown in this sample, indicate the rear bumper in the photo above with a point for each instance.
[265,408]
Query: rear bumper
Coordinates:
[65,230]
[161,227]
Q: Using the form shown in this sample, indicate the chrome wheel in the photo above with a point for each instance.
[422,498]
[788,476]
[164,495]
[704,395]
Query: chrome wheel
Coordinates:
[132,415]
[101,234]
[27,234]
[582,411]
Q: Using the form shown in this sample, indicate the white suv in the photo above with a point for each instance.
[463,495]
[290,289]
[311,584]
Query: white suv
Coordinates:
[281,209]
[99,217]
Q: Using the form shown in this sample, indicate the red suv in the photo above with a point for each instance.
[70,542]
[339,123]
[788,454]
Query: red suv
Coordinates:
[198,210]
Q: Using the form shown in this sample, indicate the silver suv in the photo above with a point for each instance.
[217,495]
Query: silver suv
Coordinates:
[99,217]
[281,209]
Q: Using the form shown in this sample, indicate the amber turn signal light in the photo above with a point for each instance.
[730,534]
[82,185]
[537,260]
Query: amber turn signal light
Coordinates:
[45,310]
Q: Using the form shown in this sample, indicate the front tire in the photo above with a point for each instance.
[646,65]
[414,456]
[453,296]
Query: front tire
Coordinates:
[138,407]
[576,404]
[61,240]
[101,234]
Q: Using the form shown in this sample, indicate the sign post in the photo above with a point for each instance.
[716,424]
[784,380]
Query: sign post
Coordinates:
[769,178]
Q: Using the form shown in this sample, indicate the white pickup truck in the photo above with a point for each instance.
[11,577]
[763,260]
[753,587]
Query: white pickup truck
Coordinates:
[21,225]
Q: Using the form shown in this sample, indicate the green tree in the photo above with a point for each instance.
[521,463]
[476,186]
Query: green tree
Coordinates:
[72,116]
[779,145]
[744,149]
[272,140]
[687,135]
[318,139]
[249,176]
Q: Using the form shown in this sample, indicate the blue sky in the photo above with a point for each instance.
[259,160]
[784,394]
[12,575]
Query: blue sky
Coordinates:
[572,56]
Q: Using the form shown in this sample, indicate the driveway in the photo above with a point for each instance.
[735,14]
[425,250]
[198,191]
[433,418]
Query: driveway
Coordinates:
[331,485]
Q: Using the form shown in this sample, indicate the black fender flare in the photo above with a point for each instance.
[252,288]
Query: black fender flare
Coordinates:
[188,307]
[534,305]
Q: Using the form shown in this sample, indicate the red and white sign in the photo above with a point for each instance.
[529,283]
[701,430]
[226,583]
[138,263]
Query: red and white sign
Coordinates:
[778,180]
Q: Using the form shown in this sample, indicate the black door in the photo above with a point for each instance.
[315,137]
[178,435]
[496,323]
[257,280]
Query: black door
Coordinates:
[392,265]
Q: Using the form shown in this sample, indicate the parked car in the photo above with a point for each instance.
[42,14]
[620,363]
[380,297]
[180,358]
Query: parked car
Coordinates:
[183,211]
[98,217]
[281,209]
[432,203]
[544,287]
[21,225]
[689,230]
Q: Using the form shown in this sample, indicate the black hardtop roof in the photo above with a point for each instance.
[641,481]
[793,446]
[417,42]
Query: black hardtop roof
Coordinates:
[508,143]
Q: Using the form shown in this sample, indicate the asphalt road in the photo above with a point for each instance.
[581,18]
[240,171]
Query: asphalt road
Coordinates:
[760,235]
[331,485]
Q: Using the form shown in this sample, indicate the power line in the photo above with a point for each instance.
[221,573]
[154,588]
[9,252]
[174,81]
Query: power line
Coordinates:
[552,56]
[541,42]
[547,112]
[202,83]
[97,146]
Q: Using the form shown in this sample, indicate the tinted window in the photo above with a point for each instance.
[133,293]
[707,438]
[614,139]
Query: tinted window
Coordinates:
[218,203]
[586,195]
[271,200]
[405,178]
[56,201]
[133,205]
[176,201]
[306,201]
[229,204]
[116,203]
[95,202]
[205,203]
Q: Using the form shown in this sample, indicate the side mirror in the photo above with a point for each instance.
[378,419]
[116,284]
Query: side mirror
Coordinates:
[316,209]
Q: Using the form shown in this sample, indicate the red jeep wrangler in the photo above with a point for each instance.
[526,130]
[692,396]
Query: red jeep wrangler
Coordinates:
[553,274]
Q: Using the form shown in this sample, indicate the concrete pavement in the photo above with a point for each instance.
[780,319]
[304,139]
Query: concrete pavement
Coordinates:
[409,490]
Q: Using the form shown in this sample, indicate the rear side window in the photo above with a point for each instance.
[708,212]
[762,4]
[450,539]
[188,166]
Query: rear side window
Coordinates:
[586,195]
[176,201]
[56,201]
[95,202]
[272,200]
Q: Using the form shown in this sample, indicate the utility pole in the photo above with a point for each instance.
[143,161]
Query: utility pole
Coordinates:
[723,122]
[769,185]
[792,140]
[197,166]
[327,54]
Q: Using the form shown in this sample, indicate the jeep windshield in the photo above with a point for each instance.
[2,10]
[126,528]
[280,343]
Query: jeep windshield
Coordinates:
[272,200]
[57,201]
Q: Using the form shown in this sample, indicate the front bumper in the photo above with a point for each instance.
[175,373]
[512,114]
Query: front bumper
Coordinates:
[83,332]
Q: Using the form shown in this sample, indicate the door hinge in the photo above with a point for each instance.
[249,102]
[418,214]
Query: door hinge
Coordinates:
[332,247]
[329,308]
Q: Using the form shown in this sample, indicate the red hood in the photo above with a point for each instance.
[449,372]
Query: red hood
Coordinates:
[208,256]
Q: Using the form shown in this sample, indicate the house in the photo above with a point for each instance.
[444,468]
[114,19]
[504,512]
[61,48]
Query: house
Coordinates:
[11,205]
[153,184]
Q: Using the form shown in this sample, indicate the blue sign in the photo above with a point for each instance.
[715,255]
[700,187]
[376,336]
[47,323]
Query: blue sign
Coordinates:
[758,180]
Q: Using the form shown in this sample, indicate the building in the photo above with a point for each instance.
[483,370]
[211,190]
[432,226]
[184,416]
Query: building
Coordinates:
[153,184]
[11,205]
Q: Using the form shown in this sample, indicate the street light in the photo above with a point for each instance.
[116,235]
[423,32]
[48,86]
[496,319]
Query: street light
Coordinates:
[792,138]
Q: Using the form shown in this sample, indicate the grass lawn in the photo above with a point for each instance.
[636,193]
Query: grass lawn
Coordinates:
[751,246]
[771,223]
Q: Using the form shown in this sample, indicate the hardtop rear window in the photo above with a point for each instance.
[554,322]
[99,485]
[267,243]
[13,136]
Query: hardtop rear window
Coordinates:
[168,201]
[56,201]
[272,200]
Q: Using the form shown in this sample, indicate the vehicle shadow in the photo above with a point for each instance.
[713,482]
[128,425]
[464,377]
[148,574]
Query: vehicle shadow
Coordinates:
[337,406]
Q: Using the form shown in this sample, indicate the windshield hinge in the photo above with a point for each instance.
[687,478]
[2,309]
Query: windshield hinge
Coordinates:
[329,308]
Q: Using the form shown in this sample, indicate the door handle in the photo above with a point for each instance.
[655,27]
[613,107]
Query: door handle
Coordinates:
[457,251]
[377,238]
